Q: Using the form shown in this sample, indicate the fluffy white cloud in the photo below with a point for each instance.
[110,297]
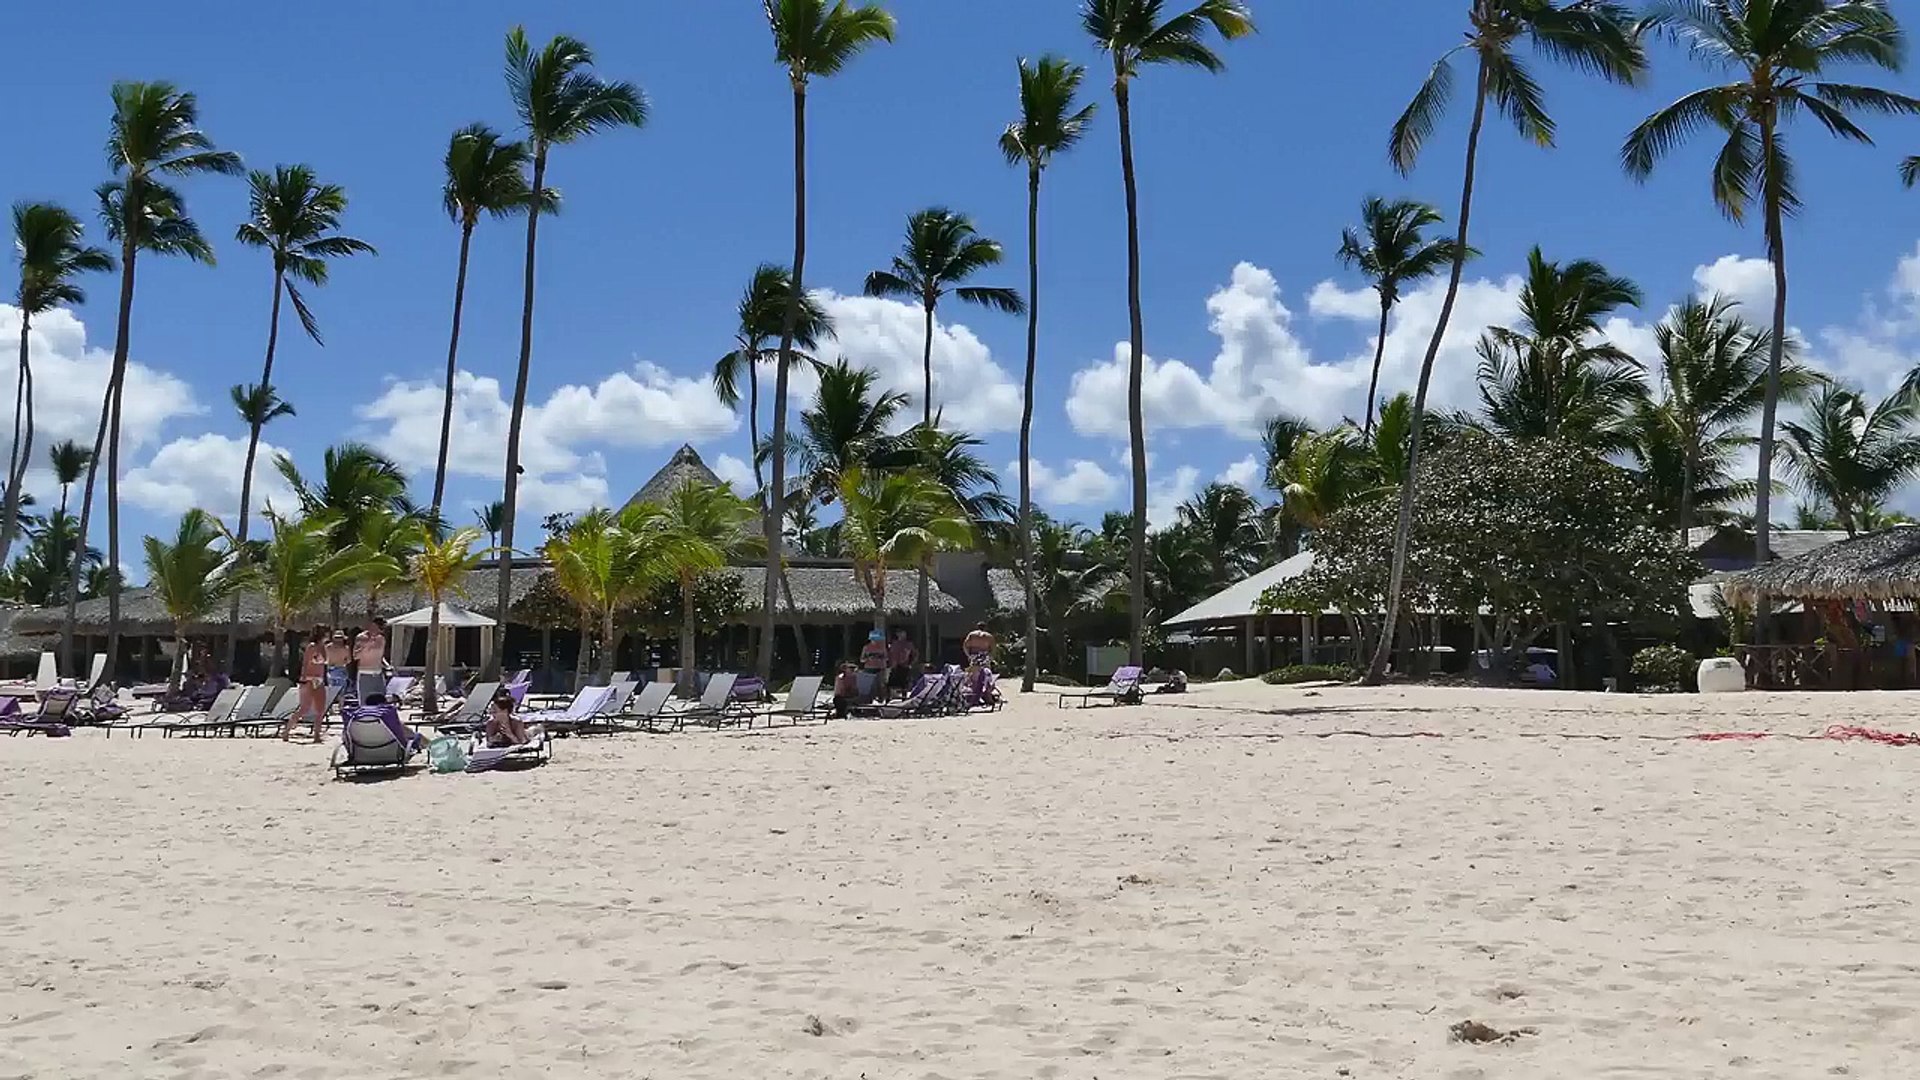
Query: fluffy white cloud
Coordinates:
[1245,473]
[1165,496]
[1749,281]
[204,471]
[69,378]
[736,472]
[1079,483]
[970,389]
[646,407]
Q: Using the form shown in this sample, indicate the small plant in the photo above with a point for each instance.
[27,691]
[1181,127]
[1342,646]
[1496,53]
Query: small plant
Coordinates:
[1305,673]
[1664,669]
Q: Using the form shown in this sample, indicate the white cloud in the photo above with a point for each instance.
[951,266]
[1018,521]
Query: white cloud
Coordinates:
[1245,473]
[1165,496]
[1749,281]
[204,471]
[1079,483]
[736,472]
[970,389]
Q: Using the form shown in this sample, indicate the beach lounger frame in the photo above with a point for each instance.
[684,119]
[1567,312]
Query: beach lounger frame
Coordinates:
[368,747]
[1122,689]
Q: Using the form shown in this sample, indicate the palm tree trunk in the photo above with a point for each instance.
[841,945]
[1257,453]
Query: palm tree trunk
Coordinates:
[688,682]
[1777,255]
[430,675]
[926,369]
[604,670]
[1032,669]
[20,454]
[453,359]
[253,449]
[1686,492]
[130,199]
[753,427]
[922,604]
[1403,530]
[1379,354]
[776,493]
[585,652]
[114,581]
[1136,359]
[179,657]
[504,591]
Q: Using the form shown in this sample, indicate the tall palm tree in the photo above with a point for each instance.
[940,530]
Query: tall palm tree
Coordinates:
[192,576]
[896,519]
[848,426]
[356,483]
[811,39]
[604,562]
[300,564]
[398,535]
[951,458]
[1393,252]
[1049,124]
[1779,49]
[440,567]
[39,575]
[257,406]
[51,245]
[560,100]
[1850,454]
[1135,34]
[485,174]
[1596,36]
[490,517]
[705,526]
[153,137]
[69,461]
[763,312]
[942,250]
[1225,524]
[1555,375]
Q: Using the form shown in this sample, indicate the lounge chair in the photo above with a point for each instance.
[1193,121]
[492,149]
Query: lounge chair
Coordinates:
[99,706]
[48,675]
[466,714]
[803,701]
[1122,689]
[715,706]
[94,671]
[646,707]
[400,686]
[367,745]
[980,691]
[586,707]
[53,719]
[929,697]
[217,711]
[537,750]
[250,707]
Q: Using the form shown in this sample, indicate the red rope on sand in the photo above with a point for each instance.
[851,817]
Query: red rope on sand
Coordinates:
[1847,732]
[1731,736]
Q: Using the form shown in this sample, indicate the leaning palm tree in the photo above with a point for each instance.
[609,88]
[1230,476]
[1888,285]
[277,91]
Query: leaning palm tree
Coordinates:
[51,244]
[811,39]
[485,174]
[440,566]
[69,461]
[192,577]
[1596,36]
[942,250]
[896,519]
[560,101]
[763,312]
[704,526]
[1779,49]
[1049,124]
[154,136]
[1392,251]
[1137,33]
[1853,455]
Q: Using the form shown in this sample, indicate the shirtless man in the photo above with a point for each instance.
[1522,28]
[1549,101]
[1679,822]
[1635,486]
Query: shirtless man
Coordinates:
[370,659]
[979,644]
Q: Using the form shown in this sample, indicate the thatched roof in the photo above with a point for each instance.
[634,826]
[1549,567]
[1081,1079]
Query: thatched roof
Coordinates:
[15,642]
[685,465]
[1004,590]
[832,594]
[1878,566]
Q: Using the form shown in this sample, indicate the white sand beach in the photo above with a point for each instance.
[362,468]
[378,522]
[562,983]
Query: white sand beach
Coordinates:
[1192,888]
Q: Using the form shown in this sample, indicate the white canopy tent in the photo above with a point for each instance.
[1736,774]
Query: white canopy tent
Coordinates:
[452,617]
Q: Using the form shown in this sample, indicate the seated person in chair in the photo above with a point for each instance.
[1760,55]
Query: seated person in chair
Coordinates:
[504,728]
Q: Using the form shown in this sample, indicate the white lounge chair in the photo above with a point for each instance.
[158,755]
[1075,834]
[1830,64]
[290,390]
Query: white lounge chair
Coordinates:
[367,745]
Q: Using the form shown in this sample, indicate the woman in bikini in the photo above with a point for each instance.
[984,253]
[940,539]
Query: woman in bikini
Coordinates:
[313,686]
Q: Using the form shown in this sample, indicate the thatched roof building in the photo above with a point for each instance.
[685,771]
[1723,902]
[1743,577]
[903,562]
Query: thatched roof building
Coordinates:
[1878,566]
[685,465]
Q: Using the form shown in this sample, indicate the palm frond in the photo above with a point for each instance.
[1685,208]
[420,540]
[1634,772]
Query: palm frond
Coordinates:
[1422,114]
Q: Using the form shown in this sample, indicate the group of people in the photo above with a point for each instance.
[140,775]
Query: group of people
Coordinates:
[330,660]
[889,665]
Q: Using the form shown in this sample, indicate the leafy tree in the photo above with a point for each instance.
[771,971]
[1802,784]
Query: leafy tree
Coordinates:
[848,426]
[51,245]
[356,483]
[1392,250]
[69,461]
[40,573]
[811,39]
[485,174]
[398,535]
[300,564]
[440,566]
[192,576]
[1224,524]
[1596,36]
[1850,454]
[153,137]
[1137,34]
[606,562]
[1780,49]
[560,101]
[896,520]
[706,526]
[762,314]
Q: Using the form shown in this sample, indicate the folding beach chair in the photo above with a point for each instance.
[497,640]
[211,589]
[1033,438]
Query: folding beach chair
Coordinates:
[715,706]
[803,702]
[1122,689]
[368,745]
[53,718]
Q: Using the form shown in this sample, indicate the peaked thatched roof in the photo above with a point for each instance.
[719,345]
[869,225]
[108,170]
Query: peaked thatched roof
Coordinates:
[685,465]
[1878,566]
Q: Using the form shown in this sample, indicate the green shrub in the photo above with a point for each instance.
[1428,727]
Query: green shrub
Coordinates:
[1668,668]
[1302,673]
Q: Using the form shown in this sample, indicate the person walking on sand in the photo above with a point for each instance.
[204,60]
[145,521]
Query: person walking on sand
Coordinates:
[313,686]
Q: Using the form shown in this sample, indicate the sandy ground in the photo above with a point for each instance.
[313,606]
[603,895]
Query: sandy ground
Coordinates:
[1192,890]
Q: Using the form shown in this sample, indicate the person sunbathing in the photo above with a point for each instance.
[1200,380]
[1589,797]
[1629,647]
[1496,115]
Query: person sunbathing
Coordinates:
[504,728]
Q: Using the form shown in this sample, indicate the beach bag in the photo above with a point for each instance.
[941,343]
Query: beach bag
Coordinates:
[447,754]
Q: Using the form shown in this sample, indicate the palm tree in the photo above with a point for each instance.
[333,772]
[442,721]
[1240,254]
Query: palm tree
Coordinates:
[490,517]
[950,457]
[1322,472]
[396,535]
[1136,33]
[1780,49]
[763,312]
[485,174]
[192,576]
[153,137]
[51,244]
[69,461]
[1850,455]
[1224,521]
[1391,250]
[300,564]
[604,562]
[560,101]
[1555,376]
[847,427]
[440,567]
[704,526]
[942,250]
[1049,124]
[896,519]
[811,39]
[39,575]
[1596,36]
[356,483]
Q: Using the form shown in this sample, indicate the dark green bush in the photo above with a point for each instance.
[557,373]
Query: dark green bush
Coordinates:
[1668,668]
[1302,673]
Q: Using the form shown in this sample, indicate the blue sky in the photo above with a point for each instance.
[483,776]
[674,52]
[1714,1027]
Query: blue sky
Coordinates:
[1246,181]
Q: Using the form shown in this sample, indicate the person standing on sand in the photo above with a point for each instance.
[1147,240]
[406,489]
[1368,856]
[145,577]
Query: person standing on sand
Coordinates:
[370,659]
[900,657]
[873,661]
[339,655]
[313,686]
[979,644]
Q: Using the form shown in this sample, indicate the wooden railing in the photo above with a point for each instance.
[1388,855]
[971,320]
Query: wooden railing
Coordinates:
[1829,667]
